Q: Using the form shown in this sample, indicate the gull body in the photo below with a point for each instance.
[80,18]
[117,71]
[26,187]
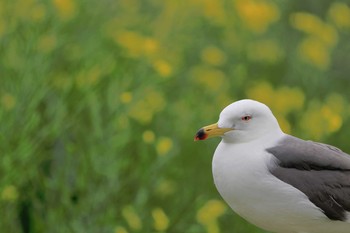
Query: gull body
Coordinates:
[272,179]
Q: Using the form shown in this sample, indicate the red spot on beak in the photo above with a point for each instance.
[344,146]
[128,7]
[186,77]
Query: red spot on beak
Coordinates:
[200,135]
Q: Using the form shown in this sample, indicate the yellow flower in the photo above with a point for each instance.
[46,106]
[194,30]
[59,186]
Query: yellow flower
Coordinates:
[334,123]
[213,56]
[288,99]
[212,227]
[333,110]
[210,211]
[141,112]
[65,8]
[257,14]
[132,218]
[9,193]
[126,97]
[333,119]
[314,26]
[164,145]
[120,229]
[163,68]
[306,22]
[8,101]
[262,92]
[214,10]
[150,45]
[135,43]
[161,221]
[322,119]
[282,101]
[209,214]
[339,12]
[336,102]
[328,35]
[148,136]
[314,51]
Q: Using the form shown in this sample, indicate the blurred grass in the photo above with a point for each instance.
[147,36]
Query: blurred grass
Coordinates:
[99,102]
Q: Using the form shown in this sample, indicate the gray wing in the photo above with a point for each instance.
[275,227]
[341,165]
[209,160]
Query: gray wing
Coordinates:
[320,171]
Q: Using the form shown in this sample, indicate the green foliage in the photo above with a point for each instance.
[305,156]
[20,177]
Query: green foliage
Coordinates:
[99,102]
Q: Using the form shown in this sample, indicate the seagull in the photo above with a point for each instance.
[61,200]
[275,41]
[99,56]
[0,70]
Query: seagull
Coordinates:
[276,181]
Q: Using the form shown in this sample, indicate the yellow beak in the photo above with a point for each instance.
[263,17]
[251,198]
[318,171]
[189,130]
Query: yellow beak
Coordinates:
[210,131]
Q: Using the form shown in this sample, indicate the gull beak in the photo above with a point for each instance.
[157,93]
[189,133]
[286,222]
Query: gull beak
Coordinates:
[210,131]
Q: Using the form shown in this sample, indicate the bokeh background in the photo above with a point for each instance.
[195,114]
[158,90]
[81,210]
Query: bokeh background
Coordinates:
[100,100]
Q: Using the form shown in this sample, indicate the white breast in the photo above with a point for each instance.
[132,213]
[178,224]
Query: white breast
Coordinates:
[242,178]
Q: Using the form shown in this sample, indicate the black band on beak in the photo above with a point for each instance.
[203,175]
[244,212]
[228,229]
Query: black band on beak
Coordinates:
[200,135]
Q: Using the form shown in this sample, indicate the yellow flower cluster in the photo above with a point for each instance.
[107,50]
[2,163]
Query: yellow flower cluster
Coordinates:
[164,145]
[132,218]
[136,44]
[213,10]
[257,15]
[120,229]
[160,220]
[324,118]
[321,37]
[65,8]
[148,136]
[313,51]
[126,97]
[213,56]
[319,119]
[208,215]
[282,100]
[163,68]
[151,102]
[339,13]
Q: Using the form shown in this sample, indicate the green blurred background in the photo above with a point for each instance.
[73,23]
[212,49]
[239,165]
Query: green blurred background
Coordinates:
[100,100]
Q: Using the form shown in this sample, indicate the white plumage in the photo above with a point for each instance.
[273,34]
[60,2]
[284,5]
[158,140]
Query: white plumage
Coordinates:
[272,190]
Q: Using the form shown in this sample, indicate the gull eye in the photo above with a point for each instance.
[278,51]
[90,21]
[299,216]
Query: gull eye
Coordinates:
[246,118]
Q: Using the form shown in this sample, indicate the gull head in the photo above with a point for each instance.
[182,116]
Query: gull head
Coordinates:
[242,121]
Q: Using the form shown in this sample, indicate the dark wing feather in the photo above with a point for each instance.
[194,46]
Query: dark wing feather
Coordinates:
[320,171]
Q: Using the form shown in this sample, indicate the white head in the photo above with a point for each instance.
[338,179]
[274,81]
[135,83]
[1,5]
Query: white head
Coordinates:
[242,121]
